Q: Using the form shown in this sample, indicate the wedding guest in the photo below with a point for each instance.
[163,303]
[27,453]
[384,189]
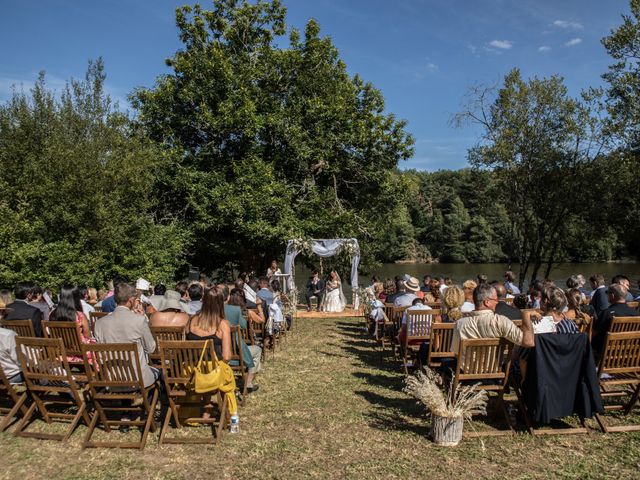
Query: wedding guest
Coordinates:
[433,295]
[581,314]
[20,309]
[9,356]
[38,301]
[468,287]
[195,298]
[182,288]
[69,309]
[411,286]
[109,303]
[509,283]
[92,296]
[236,314]
[5,297]
[170,312]
[617,307]
[452,301]
[599,299]
[273,270]
[503,308]
[211,324]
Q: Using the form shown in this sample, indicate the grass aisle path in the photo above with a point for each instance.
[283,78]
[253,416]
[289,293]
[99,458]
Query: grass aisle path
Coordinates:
[328,407]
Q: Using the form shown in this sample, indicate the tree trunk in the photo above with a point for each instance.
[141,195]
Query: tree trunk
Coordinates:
[446,432]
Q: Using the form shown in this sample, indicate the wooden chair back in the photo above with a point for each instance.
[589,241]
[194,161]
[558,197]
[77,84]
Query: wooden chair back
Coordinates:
[115,366]
[237,362]
[388,310]
[484,359]
[434,305]
[621,354]
[419,323]
[508,300]
[24,328]
[93,318]
[49,381]
[68,332]
[179,360]
[633,304]
[440,339]
[625,324]
[396,316]
[165,333]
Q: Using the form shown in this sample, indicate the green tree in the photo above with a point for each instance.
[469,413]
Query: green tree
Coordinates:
[269,143]
[538,141]
[77,184]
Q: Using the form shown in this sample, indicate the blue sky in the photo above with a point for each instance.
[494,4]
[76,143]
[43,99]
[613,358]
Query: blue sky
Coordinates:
[423,54]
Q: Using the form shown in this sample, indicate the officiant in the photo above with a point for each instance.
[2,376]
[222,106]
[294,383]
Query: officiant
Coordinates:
[315,287]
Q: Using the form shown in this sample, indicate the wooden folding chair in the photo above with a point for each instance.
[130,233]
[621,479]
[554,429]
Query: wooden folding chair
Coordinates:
[69,333]
[49,383]
[434,305]
[418,330]
[633,305]
[619,375]
[93,318]
[236,362]
[396,319]
[179,360]
[12,400]
[24,328]
[440,338]
[168,333]
[116,386]
[625,324]
[487,361]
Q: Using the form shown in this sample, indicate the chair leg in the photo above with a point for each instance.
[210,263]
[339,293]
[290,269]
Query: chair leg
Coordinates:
[92,426]
[14,411]
[24,421]
[76,419]
[165,424]
[150,409]
[632,400]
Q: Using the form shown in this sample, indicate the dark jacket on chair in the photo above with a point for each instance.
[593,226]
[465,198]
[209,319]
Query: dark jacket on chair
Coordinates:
[21,310]
[561,378]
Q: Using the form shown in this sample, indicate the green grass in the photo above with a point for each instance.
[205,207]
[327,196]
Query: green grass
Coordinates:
[330,407]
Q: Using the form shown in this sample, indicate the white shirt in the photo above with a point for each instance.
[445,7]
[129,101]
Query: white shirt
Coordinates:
[417,306]
[86,309]
[467,307]
[8,354]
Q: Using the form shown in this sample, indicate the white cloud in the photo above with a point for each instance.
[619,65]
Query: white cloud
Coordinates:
[431,66]
[544,48]
[501,44]
[573,42]
[567,25]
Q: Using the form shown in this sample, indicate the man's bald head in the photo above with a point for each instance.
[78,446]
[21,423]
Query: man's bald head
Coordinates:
[500,290]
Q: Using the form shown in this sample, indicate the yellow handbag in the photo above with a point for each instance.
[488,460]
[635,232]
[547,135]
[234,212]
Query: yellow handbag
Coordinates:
[218,376]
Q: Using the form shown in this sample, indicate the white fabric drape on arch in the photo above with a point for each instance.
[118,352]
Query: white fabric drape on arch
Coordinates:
[325,248]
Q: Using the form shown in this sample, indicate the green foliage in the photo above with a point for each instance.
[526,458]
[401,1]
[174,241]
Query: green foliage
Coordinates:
[77,198]
[269,143]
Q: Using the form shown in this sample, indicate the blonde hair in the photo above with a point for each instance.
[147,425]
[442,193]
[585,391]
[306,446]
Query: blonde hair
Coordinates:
[453,299]
[469,284]
[93,296]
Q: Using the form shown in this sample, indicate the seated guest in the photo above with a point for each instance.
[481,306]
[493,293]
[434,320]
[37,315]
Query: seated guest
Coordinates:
[92,296]
[581,314]
[378,291]
[553,306]
[618,308]
[21,310]
[69,309]
[521,301]
[433,295]
[482,278]
[170,312]
[158,294]
[483,322]
[195,296]
[87,308]
[315,286]
[265,294]
[626,283]
[535,293]
[599,299]
[210,324]
[389,289]
[468,288]
[123,325]
[109,304]
[503,308]
[9,357]
[37,300]
[235,312]
[411,286]
[452,302]
[5,297]
[182,288]
[510,283]
[426,281]
[399,290]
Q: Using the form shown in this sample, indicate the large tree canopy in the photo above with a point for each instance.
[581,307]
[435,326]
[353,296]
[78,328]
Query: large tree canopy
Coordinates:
[269,143]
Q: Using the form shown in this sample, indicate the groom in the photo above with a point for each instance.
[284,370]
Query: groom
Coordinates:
[315,286]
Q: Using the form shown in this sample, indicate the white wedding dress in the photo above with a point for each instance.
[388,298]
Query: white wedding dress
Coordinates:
[334,300]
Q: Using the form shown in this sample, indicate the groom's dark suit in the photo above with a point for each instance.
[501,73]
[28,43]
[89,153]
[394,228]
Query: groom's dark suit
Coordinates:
[315,288]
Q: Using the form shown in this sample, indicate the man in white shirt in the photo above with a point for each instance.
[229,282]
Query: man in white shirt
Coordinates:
[411,287]
[9,356]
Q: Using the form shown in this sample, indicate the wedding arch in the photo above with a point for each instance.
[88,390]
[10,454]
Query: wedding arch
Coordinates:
[324,248]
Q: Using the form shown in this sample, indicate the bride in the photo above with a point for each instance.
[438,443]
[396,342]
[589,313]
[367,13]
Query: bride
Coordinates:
[334,300]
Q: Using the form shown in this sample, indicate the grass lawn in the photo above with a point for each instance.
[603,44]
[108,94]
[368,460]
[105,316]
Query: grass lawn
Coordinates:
[329,407]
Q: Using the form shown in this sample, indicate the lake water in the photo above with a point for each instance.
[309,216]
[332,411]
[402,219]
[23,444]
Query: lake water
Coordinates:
[460,272]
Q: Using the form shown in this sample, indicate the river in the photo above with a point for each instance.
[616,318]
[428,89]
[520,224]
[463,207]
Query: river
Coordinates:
[460,272]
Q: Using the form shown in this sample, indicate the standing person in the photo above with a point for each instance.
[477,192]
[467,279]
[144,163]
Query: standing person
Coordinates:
[273,270]
[123,325]
[315,286]
[510,283]
[20,309]
[333,300]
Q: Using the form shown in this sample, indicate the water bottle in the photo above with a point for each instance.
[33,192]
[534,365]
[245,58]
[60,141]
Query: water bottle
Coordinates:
[235,424]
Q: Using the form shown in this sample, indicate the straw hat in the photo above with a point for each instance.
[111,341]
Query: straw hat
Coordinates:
[412,284]
[171,299]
